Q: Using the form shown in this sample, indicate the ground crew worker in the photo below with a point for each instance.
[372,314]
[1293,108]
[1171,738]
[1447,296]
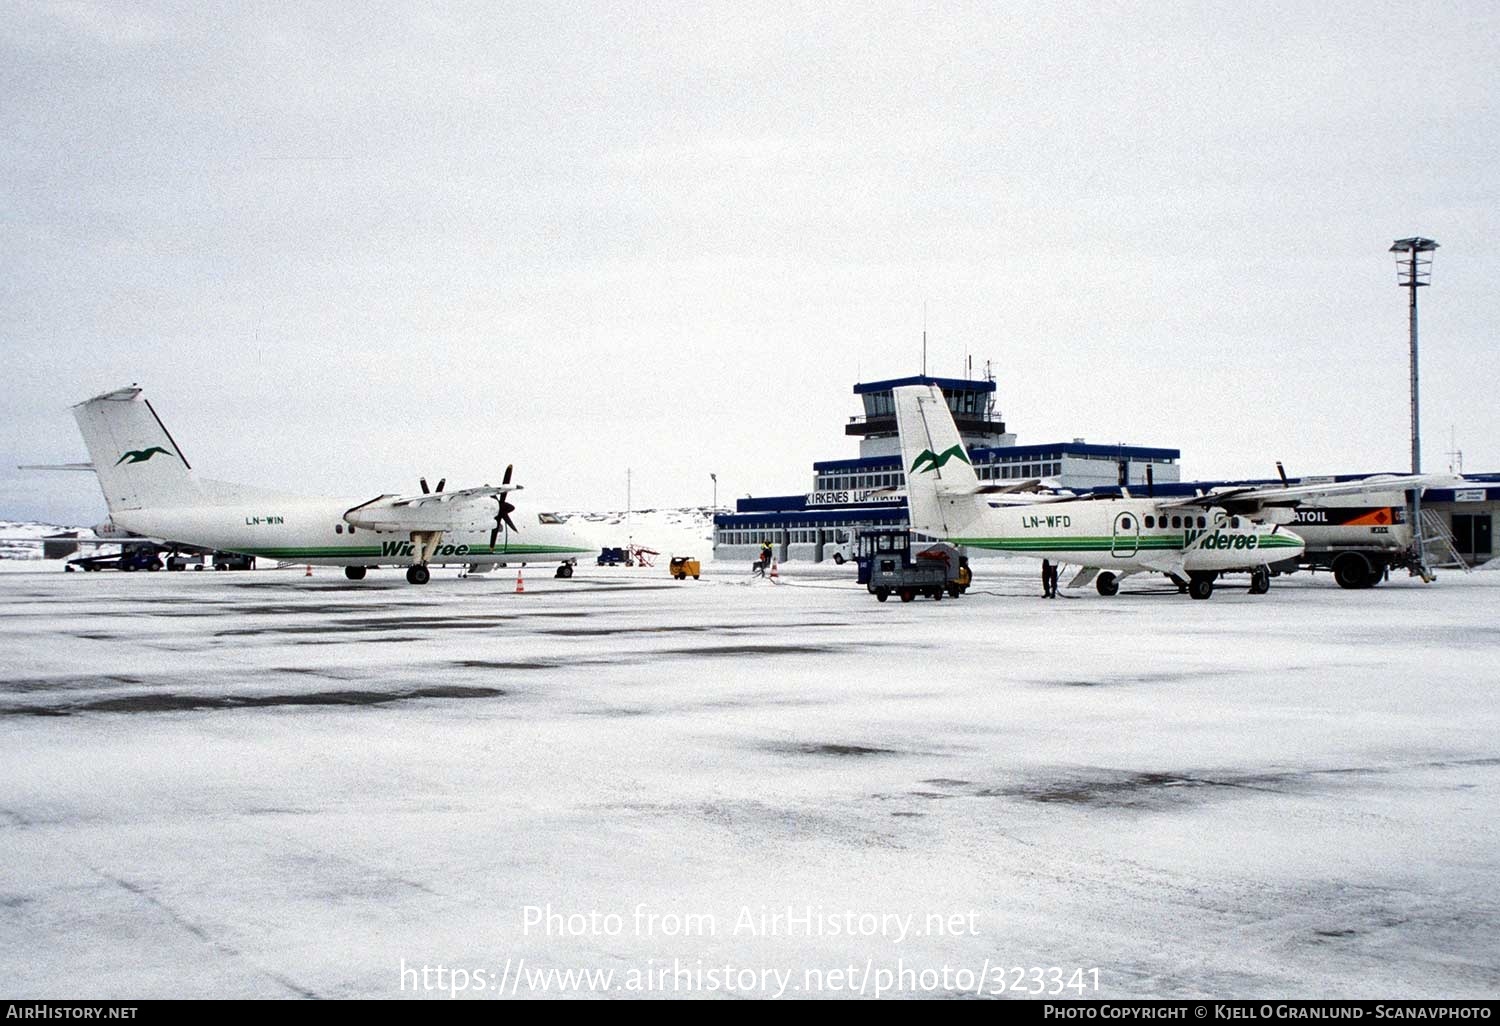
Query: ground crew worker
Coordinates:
[1049,579]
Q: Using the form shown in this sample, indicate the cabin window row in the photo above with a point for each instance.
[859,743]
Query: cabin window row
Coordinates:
[1178,522]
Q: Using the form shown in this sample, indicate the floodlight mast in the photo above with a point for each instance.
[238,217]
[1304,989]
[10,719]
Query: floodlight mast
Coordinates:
[1414,270]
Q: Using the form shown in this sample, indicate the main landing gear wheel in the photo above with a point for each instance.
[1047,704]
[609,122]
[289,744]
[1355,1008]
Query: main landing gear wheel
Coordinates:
[354,573]
[1260,581]
[1107,584]
[418,574]
[1201,587]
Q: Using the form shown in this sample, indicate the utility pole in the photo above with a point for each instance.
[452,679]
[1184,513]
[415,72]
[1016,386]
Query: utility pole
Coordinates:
[1414,270]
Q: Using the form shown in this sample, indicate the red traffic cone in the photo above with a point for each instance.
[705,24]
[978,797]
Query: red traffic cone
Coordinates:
[773,569]
[520,582]
[309,571]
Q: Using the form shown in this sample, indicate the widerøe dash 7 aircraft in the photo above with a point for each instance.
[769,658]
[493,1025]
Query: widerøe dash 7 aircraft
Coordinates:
[151,490]
[1191,540]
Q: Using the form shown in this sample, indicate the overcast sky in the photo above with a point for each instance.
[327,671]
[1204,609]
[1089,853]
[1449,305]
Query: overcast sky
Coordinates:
[342,245]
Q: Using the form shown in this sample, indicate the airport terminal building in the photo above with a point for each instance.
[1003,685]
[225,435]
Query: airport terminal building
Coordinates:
[866,491]
[850,494]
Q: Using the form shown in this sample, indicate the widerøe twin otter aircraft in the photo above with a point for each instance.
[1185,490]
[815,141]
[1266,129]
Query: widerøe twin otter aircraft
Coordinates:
[1191,540]
[151,490]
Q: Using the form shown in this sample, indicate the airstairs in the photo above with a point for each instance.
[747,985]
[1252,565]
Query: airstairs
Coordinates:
[1438,549]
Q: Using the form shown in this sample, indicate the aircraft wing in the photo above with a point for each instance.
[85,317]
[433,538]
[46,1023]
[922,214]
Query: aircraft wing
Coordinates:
[439,498]
[467,509]
[1249,499]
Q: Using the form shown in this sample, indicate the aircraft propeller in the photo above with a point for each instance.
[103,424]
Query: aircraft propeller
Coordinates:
[441,481]
[502,514]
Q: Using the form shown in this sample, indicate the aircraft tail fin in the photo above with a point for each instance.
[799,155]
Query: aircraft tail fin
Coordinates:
[941,485]
[138,463]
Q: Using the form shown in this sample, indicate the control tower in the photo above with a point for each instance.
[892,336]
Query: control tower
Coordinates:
[972,403]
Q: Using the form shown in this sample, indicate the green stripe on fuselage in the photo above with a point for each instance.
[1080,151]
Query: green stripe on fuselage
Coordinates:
[1107,543]
[375,551]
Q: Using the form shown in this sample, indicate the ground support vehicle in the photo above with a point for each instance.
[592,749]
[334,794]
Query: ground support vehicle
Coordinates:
[891,562]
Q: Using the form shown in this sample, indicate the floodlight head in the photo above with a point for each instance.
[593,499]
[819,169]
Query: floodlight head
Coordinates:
[1413,268]
[1414,244]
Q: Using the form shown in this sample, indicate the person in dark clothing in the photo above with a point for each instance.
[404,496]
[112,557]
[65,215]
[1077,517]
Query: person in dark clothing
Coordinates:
[764,563]
[1049,579]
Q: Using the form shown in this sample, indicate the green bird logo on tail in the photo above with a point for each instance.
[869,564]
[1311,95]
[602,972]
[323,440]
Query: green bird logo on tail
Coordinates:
[930,460]
[141,455]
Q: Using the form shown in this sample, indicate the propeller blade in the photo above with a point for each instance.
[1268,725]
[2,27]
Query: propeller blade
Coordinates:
[441,481]
[503,507]
[423,481]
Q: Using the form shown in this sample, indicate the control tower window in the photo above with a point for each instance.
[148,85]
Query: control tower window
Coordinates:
[964,403]
[879,404]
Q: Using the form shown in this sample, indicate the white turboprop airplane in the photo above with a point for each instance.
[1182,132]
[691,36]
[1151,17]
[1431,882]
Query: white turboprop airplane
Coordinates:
[1191,540]
[151,490]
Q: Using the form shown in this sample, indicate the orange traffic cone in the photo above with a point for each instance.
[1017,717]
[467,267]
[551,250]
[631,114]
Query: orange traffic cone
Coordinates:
[309,571]
[773,569]
[520,582]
